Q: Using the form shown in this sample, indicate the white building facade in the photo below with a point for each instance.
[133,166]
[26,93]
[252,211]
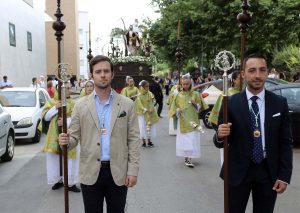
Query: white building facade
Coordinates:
[83,28]
[22,40]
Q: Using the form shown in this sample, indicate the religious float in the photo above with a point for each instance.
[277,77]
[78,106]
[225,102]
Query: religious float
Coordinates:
[138,67]
[137,62]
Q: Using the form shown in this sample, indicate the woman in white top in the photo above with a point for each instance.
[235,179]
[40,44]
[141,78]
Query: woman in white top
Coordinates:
[34,83]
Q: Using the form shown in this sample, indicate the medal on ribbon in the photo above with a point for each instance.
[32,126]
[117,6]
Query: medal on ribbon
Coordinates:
[256,133]
[103,131]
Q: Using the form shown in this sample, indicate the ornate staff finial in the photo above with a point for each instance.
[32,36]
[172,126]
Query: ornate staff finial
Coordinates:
[58,25]
[225,61]
[244,18]
[63,69]
[90,56]
[178,53]
[178,56]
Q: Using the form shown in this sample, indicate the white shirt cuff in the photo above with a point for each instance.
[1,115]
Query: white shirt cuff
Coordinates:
[49,115]
[68,122]
[217,139]
[283,182]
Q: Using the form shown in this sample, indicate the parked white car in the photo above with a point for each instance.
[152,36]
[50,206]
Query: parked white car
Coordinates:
[25,106]
[210,92]
[7,136]
[210,96]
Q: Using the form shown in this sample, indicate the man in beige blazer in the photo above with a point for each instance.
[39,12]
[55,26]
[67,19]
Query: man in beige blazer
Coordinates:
[105,125]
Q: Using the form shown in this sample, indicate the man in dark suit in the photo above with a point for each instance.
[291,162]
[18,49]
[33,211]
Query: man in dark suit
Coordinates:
[260,141]
[155,88]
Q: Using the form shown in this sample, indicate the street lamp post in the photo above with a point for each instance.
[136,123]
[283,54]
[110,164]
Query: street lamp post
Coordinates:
[244,18]
[59,27]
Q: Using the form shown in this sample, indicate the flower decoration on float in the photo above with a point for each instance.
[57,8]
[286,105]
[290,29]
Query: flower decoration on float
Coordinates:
[151,60]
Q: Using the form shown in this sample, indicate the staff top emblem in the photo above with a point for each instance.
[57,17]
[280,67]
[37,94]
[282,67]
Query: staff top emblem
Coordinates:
[63,77]
[63,69]
[225,60]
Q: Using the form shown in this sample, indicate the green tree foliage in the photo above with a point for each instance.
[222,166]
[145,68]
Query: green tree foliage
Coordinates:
[287,59]
[117,32]
[163,4]
[213,25]
[162,69]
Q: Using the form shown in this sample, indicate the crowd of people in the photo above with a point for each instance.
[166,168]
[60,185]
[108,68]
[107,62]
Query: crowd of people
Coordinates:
[107,129]
[261,162]
[115,123]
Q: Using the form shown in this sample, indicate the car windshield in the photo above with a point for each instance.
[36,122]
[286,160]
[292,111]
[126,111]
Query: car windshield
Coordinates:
[17,99]
[292,95]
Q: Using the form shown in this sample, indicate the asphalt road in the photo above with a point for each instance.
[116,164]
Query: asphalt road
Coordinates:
[165,184]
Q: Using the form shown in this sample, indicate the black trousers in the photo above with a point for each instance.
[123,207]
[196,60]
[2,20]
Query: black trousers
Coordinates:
[160,106]
[167,89]
[93,195]
[257,181]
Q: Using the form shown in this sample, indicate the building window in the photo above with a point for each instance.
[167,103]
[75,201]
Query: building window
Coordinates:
[12,35]
[29,41]
[29,2]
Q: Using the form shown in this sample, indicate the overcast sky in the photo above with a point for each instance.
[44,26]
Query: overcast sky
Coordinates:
[106,14]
